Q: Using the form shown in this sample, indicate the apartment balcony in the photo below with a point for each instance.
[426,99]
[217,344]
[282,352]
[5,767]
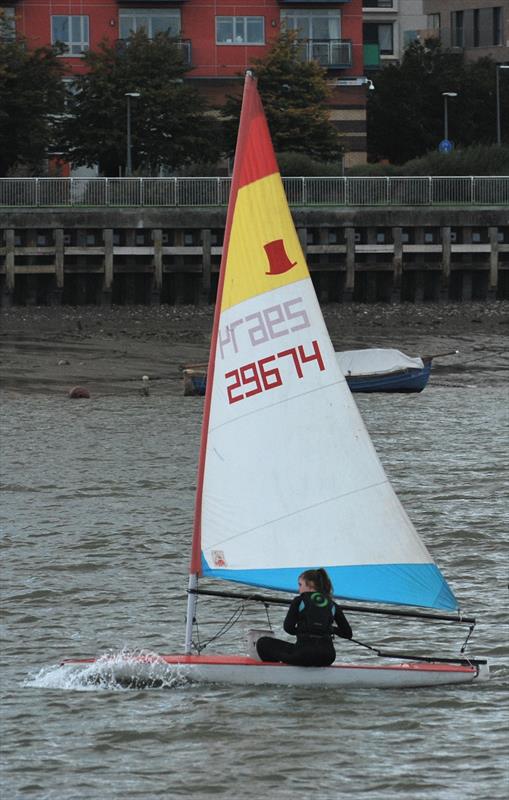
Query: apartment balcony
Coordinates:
[330,53]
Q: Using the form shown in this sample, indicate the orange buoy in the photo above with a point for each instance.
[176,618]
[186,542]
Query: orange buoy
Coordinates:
[78,392]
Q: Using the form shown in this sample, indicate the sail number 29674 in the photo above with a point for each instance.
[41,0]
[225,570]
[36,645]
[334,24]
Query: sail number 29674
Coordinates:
[260,376]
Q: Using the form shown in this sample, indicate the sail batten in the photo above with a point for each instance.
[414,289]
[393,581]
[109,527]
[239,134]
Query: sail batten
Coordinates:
[289,478]
[293,513]
[286,401]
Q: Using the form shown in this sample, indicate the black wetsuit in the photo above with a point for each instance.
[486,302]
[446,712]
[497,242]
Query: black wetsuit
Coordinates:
[311,617]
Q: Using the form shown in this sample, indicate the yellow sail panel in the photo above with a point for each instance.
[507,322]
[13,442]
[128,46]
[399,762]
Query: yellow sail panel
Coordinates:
[264,250]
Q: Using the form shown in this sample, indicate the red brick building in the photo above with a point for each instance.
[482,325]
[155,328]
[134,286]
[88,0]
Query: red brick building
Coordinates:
[220,39]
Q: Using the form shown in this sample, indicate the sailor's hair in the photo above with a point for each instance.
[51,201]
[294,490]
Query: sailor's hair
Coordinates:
[320,580]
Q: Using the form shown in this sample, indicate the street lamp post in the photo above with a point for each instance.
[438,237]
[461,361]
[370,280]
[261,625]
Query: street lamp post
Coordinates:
[446,95]
[499,129]
[129,162]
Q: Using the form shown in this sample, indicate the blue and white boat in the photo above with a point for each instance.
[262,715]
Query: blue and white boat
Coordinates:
[373,369]
[377,369]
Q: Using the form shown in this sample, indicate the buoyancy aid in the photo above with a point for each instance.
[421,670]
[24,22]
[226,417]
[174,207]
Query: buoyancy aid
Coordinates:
[316,615]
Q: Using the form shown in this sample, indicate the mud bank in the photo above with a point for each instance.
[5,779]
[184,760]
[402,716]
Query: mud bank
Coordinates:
[51,349]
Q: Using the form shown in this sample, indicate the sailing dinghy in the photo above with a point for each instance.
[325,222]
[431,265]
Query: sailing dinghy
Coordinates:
[288,478]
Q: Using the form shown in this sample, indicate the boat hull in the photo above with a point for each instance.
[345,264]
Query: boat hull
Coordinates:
[245,671]
[406,380]
[195,383]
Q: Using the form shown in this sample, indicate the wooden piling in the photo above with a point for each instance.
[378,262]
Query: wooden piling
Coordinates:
[206,240]
[157,281]
[350,264]
[494,251]
[397,264]
[445,235]
[9,262]
[46,255]
[108,266]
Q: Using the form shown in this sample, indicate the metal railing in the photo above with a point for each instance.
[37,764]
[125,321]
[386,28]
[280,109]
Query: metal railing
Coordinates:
[328,52]
[162,192]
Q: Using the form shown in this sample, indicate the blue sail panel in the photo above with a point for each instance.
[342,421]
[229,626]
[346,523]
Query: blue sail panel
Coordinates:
[401,584]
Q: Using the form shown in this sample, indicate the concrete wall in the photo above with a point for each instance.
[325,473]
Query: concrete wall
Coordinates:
[173,255]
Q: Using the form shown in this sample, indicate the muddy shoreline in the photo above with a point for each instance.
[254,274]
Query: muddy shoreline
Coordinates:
[48,350]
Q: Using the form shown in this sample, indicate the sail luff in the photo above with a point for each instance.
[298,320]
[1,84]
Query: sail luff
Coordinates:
[249,97]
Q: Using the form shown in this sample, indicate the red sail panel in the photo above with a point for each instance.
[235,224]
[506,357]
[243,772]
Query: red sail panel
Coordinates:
[258,159]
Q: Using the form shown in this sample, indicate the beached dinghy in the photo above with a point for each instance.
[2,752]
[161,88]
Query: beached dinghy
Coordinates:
[373,369]
[288,478]
[381,369]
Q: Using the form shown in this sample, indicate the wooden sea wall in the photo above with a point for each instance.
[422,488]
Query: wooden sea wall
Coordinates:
[172,255]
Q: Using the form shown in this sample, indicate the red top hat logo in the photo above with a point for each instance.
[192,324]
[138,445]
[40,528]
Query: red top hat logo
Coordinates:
[278,259]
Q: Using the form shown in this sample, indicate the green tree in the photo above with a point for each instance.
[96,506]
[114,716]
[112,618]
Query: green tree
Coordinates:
[294,94]
[406,110]
[31,97]
[170,125]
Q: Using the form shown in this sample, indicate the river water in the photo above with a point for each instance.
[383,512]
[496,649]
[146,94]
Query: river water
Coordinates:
[97,513]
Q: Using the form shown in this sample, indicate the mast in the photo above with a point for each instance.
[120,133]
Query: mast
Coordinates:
[195,565]
[192,597]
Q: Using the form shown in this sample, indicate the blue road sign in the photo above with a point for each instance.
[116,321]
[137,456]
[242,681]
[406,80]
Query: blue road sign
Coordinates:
[445,146]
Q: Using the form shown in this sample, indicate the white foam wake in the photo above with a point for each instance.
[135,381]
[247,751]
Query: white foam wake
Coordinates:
[112,671]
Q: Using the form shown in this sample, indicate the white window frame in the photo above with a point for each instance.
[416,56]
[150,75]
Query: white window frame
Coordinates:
[434,23]
[75,48]
[148,14]
[240,27]
[389,26]
[289,18]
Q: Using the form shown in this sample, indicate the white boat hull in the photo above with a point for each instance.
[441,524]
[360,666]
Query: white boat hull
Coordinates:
[244,671]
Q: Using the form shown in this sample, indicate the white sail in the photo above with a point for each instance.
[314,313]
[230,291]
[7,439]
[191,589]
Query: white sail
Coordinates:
[289,479]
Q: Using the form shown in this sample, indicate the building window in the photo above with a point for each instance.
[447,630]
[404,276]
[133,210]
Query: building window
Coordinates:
[487,27]
[411,36]
[457,28]
[152,22]
[380,34]
[475,28]
[377,3]
[434,22]
[240,30]
[71,31]
[313,23]
[497,25]
[9,29]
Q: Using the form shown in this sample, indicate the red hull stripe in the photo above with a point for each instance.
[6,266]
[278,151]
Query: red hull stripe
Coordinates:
[251,662]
